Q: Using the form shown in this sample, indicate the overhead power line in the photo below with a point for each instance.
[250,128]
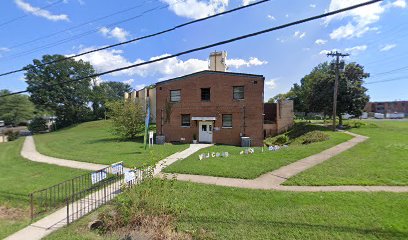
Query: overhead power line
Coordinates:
[143,37]
[211,45]
[388,80]
[80,35]
[79,25]
[25,15]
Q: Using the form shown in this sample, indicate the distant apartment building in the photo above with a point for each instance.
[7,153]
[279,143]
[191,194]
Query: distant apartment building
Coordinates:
[143,97]
[387,107]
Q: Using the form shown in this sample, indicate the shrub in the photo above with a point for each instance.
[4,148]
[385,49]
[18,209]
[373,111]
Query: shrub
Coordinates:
[12,135]
[277,140]
[314,136]
[38,124]
[127,118]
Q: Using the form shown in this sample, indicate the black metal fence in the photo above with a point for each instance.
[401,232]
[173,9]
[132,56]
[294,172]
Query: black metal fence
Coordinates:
[85,201]
[56,196]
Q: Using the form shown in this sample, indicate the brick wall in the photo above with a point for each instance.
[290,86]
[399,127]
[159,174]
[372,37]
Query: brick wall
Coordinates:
[284,116]
[222,102]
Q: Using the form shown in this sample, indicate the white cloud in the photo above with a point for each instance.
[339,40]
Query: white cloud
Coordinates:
[299,34]
[238,63]
[118,33]
[388,47]
[271,17]
[106,60]
[320,41]
[399,3]
[246,2]
[26,7]
[196,8]
[129,82]
[362,18]
[140,86]
[351,50]
[355,50]
[270,84]
[312,5]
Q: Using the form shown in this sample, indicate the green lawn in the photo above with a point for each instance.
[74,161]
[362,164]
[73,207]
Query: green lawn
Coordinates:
[19,177]
[250,166]
[93,142]
[230,213]
[381,160]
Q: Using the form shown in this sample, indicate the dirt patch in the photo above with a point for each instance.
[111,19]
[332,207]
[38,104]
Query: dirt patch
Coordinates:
[9,213]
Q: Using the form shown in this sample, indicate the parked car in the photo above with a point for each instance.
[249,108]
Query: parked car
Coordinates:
[378,115]
[347,116]
[395,115]
[2,124]
[364,115]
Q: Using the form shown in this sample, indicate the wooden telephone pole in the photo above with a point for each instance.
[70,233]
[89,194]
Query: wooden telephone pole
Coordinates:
[336,82]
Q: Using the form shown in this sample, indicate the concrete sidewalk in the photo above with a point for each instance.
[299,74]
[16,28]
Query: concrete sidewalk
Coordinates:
[29,152]
[58,219]
[273,180]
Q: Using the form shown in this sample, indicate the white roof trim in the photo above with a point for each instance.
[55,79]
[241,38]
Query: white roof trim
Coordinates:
[204,118]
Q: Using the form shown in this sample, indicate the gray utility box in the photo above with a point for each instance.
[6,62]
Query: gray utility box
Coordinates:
[160,139]
[245,141]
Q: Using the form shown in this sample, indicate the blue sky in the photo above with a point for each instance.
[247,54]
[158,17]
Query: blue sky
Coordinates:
[373,35]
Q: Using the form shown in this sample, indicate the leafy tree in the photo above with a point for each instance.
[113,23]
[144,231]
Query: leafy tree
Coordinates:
[16,108]
[127,118]
[106,92]
[38,124]
[315,92]
[68,100]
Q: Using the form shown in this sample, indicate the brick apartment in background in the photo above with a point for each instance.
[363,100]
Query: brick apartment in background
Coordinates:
[387,107]
[216,106]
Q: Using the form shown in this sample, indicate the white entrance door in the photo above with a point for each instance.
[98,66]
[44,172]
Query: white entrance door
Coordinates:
[205,132]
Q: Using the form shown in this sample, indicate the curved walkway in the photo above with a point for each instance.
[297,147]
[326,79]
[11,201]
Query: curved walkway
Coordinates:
[30,152]
[273,180]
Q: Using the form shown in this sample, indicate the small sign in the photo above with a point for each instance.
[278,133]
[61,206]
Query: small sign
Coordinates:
[151,134]
[117,168]
[130,176]
[98,176]
[213,155]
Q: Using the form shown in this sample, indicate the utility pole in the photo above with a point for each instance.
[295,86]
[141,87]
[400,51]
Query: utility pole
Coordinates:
[336,82]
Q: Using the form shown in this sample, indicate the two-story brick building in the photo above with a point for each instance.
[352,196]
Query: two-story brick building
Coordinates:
[215,106]
[212,106]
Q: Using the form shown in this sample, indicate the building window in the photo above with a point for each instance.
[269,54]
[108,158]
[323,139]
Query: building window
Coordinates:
[185,120]
[175,95]
[239,92]
[226,120]
[205,94]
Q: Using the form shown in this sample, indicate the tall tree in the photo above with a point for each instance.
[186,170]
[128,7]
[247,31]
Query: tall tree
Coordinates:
[315,92]
[107,92]
[16,108]
[69,100]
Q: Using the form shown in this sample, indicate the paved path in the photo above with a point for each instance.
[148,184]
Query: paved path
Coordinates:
[58,219]
[273,180]
[30,152]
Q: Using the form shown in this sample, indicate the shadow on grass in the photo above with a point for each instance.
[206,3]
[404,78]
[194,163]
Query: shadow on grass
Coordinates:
[308,226]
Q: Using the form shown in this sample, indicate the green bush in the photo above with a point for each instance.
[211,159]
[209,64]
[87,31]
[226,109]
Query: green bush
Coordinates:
[277,140]
[12,135]
[127,118]
[38,124]
[314,136]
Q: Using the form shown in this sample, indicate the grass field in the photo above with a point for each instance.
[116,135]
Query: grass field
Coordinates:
[381,160]
[230,213]
[93,142]
[250,166]
[19,177]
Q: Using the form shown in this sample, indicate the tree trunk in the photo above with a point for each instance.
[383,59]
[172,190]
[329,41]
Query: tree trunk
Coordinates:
[340,120]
